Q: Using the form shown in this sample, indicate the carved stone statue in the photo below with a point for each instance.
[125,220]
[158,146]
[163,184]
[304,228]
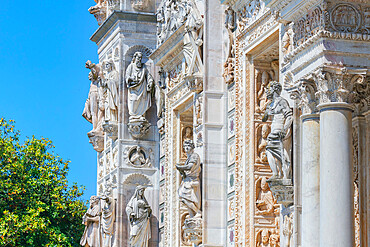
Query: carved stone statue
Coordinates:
[192,38]
[94,111]
[189,190]
[110,83]
[261,149]
[288,230]
[108,216]
[140,84]
[139,212]
[282,118]
[265,201]
[265,238]
[159,94]
[261,95]
[91,219]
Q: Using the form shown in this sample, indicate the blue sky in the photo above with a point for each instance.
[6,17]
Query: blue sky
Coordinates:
[43,49]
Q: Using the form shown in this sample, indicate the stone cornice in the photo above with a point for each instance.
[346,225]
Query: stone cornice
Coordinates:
[170,48]
[121,15]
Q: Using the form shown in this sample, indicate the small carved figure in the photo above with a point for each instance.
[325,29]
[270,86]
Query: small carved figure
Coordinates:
[230,25]
[288,229]
[108,216]
[282,118]
[137,157]
[94,110]
[265,201]
[189,190]
[140,84]
[228,74]
[160,95]
[261,149]
[261,95]
[110,83]
[139,212]
[265,238]
[91,219]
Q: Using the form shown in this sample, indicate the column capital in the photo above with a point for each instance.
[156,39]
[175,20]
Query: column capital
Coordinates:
[338,83]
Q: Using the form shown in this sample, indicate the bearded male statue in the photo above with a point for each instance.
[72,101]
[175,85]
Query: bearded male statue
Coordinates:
[278,140]
[140,84]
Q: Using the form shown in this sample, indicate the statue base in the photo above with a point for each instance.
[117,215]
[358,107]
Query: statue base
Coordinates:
[192,230]
[138,127]
[97,140]
[111,129]
[283,191]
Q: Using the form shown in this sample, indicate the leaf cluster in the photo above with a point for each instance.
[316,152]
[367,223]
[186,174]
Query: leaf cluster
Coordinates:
[37,207]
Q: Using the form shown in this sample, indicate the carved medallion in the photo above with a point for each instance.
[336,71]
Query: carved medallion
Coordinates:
[137,156]
[345,18]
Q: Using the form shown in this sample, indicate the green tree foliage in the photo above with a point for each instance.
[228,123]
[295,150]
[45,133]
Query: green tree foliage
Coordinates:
[37,207]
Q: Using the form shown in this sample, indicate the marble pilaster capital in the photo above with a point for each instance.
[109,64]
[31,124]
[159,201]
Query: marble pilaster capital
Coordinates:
[304,92]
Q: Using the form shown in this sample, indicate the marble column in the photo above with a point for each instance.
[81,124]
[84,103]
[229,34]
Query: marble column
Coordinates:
[336,175]
[310,154]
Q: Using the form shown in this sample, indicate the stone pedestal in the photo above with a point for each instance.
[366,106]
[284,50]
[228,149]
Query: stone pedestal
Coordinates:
[283,191]
[310,180]
[336,185]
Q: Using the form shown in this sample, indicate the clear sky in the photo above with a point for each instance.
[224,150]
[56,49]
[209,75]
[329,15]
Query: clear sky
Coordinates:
[44,83]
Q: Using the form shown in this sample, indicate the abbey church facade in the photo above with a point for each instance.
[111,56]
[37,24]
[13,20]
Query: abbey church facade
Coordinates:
[230,123]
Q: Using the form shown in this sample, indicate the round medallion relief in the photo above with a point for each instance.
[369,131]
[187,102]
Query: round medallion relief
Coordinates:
[345,18]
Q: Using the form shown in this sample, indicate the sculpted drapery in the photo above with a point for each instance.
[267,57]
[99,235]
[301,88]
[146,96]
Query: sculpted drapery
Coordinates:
[110,83]
[108,218]
[140,84]
[189,190]
[282,118]
[139,212]
[91,219]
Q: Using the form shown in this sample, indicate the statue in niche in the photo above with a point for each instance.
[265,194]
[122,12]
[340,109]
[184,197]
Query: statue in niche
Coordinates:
[262,100]
[265,200]
[261,149]
[192,38]
[189,190]
[91,219]
[159,94]
[110,84]
[108,216]
[140,84]
[265,238]
[94,110]
[139,212]
[282,118]
[230,25]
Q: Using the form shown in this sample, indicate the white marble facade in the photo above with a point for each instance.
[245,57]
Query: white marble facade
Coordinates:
[251,85]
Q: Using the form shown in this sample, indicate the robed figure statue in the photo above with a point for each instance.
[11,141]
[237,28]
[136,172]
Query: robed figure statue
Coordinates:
[189,190]
[139,212]
[91,219]
[139,83]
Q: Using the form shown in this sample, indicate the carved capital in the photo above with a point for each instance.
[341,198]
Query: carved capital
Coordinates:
[341,84]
